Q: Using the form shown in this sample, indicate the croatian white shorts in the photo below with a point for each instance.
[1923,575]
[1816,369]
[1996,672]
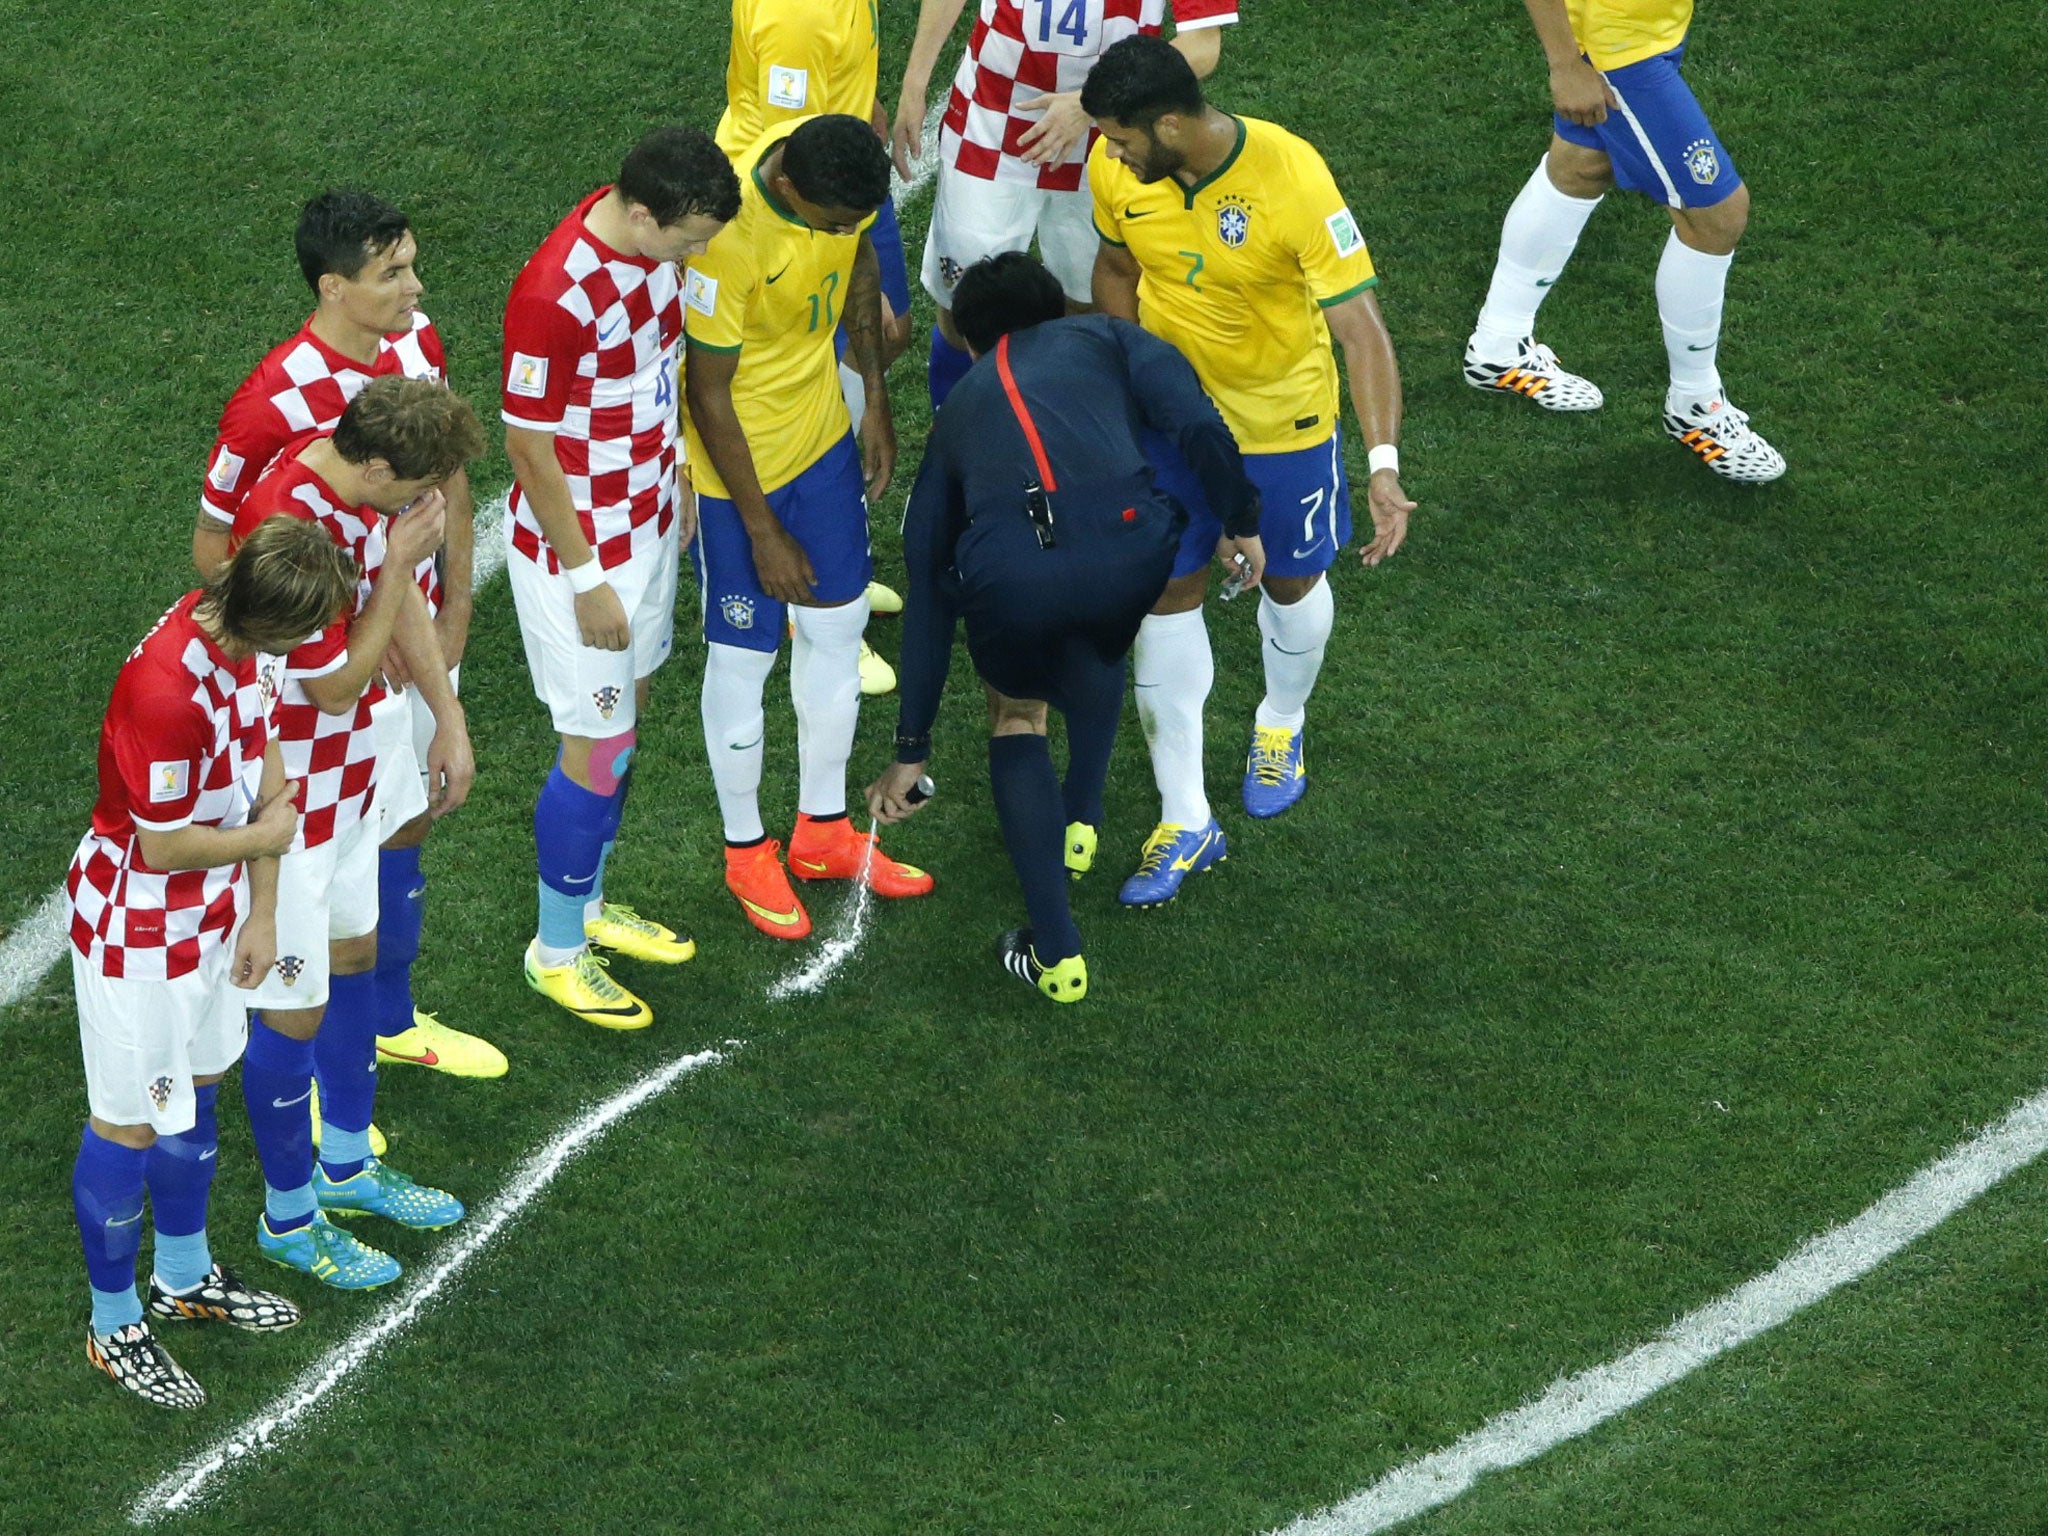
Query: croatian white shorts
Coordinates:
[145,1041]
[330,892]
[973,218]
[589,692]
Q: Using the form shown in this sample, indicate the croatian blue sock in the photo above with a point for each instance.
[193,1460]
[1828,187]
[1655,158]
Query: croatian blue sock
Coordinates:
[345,1062]
[106,1195]
[1028,804]
[614,812]
[180,1173]
[569,837]
[277,1082]
[401,912]
[949,365]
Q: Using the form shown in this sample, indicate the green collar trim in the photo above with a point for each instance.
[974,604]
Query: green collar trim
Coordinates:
[769,197]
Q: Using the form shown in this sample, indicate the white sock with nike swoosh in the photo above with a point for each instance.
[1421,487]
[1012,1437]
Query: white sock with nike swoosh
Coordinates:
[1174,669]
[734,728]
[1294,637]
[1536,240]
[1691,287]
[824,685]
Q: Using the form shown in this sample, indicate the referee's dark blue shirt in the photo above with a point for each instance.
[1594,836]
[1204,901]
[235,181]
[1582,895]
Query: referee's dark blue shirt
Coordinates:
[1062,405]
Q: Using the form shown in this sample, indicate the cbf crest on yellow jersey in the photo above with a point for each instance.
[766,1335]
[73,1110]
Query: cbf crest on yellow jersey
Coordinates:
[772,289]
[797,58]
[1617,33]
[1237,271]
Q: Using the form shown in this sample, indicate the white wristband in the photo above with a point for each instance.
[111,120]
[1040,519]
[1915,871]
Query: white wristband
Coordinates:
[1384,456]
[587,577]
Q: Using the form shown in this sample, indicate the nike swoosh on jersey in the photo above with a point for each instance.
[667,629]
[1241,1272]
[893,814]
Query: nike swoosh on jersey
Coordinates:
[288,1103]
[779,919]
[605,338]
[426,1058]
[1139,213]
[778,276]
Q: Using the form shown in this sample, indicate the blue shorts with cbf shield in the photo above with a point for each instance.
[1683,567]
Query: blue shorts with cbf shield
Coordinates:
[1658,139]
[825,510]
[1306,498]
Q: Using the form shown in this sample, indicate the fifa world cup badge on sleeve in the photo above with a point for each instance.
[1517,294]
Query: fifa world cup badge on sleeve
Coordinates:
[701,294]
[528,376]
[1344,232]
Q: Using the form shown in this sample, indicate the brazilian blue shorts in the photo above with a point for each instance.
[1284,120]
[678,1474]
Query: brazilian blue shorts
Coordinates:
[1659,140]
[1307,506]
[825,510]
[887,236]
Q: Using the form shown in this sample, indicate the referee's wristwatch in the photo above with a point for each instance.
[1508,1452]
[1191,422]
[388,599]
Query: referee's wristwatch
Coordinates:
[913,749]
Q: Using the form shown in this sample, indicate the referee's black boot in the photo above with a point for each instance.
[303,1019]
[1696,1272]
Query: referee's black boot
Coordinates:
[1066,982]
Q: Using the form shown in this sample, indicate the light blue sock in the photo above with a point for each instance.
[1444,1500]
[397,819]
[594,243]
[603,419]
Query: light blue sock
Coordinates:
[289,1208]
[114,1310]
[181,1262]
[343,1153]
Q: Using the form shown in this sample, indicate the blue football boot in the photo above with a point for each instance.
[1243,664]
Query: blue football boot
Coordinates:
[1275,771]
[1171,854]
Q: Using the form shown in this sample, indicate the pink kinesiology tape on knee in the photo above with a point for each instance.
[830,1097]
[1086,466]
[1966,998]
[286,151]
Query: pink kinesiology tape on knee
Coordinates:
[610,757]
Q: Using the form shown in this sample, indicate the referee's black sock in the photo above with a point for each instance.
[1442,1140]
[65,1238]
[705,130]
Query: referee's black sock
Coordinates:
[1027,795]
[1093,700]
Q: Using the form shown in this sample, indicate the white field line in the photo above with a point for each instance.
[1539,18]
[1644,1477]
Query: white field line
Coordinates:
[178,1488]
[837,950]
[1580,1403]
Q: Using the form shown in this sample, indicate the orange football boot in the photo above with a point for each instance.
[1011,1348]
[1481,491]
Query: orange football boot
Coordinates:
[754,876]
[833,850]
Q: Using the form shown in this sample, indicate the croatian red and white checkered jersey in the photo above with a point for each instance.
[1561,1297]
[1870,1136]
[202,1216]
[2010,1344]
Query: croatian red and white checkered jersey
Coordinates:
[591,341]
[303,386]
[181,746]
[1025,48]
[332,758]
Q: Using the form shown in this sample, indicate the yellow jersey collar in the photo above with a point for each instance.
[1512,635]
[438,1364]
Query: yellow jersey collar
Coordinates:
[1189,193]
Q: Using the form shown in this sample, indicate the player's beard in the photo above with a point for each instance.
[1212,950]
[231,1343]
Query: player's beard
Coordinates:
[1161,163]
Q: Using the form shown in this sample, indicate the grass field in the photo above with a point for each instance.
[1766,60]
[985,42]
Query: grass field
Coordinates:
[1673,882]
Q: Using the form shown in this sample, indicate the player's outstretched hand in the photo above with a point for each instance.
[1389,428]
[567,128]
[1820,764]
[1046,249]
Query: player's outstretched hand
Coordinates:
[255,949]
[276,823]
[785,570]
[602,619]
[887,796]
[1390,509]
[1052,138]
[416,533]
[906,139]
[877,447]
[1581,93]
[451,766]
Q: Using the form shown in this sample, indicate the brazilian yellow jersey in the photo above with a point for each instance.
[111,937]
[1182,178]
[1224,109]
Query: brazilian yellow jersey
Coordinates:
[1236,272]
[1617,33]
[797,58]
[771,288]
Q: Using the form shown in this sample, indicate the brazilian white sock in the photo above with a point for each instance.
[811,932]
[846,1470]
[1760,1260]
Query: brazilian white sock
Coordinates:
[1691,286]
[1536,240]
[1174,669]
[1295,635]
[824,685]
[734,726]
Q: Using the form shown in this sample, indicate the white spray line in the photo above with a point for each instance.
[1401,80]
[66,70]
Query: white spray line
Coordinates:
[179,1488]
[1580,1403]
[842,947]
[29,950]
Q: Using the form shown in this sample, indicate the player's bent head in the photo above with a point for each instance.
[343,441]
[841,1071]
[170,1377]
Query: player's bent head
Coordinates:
[409,435]
[1000,294]
[1144,96]
[838,169]
[285,584]
[679,190]
[341,233]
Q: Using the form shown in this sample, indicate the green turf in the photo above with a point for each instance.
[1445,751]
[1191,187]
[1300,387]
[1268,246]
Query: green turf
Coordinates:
[1670,887]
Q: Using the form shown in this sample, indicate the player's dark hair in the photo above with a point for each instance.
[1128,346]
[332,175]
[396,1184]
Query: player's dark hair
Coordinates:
[285,583]
[676,172]
[340,231]
[1138,81]
[837,162]
[421,429]
[1005,293]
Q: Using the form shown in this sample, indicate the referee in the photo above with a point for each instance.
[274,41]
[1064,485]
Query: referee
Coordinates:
[1035,517]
